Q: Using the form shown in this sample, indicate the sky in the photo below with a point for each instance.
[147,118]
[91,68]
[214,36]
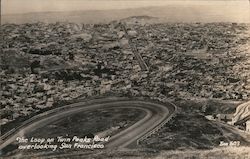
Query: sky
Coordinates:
[27,6]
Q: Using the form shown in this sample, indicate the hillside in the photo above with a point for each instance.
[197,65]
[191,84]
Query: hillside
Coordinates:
[65,61]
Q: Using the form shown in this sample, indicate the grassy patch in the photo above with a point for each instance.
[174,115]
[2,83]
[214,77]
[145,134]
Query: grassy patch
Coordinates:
[90,122]
[87,123]
[191,130]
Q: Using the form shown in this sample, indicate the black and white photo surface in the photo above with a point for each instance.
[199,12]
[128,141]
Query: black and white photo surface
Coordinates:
[132,79]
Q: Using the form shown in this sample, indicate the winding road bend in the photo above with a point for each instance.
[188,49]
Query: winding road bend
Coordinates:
[157,114]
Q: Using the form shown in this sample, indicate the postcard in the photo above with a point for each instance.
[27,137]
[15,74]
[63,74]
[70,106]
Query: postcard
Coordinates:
[127,79]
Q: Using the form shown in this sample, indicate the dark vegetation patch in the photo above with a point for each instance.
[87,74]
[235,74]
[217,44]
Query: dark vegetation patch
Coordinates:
[90,122]
[87,123]
[191,130]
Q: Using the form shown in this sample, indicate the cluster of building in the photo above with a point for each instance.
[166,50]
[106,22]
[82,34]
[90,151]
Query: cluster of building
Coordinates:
[206,60]
[66,61]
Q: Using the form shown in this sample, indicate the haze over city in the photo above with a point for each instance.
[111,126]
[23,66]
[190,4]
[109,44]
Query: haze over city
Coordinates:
[27,6]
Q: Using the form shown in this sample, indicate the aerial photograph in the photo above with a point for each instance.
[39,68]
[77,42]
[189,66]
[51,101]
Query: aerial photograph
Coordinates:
[125,79]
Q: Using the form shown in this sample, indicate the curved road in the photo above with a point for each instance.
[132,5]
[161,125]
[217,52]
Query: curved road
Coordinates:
[156,114]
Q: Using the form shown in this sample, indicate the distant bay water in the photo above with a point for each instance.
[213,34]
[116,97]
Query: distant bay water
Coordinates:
[94,11]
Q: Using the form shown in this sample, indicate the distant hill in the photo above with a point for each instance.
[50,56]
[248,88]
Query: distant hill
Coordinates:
[143,17]
[140,20]
[91,16]
[171,13]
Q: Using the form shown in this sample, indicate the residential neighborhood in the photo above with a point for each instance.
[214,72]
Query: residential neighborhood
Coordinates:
[45,63]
